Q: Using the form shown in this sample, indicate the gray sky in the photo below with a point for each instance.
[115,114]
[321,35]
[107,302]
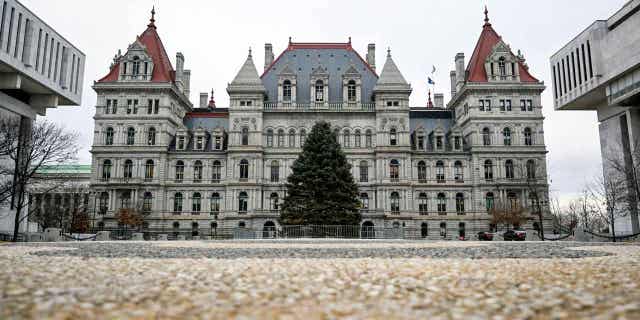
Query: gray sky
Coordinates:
[214,37]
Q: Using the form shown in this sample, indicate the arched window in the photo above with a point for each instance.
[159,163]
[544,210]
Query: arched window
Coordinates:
[292,138]
[149,170]
[488,170]
[502,68]
[346,138]
[286,91]
[368,230]
[393,137]
[147,200]
[243,200]
[197,171]
[131,136]
[275,171]
[460,203]
[442,203]
[486,137]
[269,230]
[512,198]
[489,200]
[245,136]
[244,169]
[106,169]
[440,171]
[273,201]
[127,171]
[319,91]
[395,202]
[506,136]
[108,139]
[303,137]
[177,202]
[508,169]
[531,169]
[364,201]
[462,230]
[215,203]
[357,142]
[368,139]
[351,91]
[528,137]
[103,203]
[179,171]
[151,139]
[196,203]
[424,230]
[270,138]
[443,229]
[364,171]
[280,138]
[458,171]
[216,171]
[422,172]
[135,70]
[394,170]
[422,204]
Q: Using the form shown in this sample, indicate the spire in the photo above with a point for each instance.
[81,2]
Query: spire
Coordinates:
[247,78]
[212,102]
[429,103]
[391,77]
[152,21]
[486,16]
[250,52]
[388,52]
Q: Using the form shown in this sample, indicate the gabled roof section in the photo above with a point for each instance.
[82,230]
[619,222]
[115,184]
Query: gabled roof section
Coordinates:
[163,70]
[489,38]
[391,77]
[247,78]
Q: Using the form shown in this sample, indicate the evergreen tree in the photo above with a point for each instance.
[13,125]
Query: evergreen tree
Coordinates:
[321,189]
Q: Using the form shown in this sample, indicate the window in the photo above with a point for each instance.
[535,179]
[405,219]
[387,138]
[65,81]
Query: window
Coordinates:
[508,103]
[149,106]
[246,103]
[156,106]
[368,139]
[395,202]
[319,91]
[458,171]
[177,202]
[424,230]
[127,169]
[485,105]
[393,103]
[199,143]
[151,139]
[523,105]
[147,200]
[292,138]
[506,136]
[488,199]
[528,138]
[108,140]
[443,229]
[197,171]
[196,203]
[508,169]
[457,143]
[103,202]
[393,137]
[112,106]
[513,200]
[106,169]
[179,171]
[303,137]
[181,144]
[461,230]
[273,201]
[280,138]
[531,169]
[125,199]
[422,204]
[460,203]
[394,170]
[364,201]
[131,136]
[440,172]
[346,139]
[218,143]
[486,137]
[244,169]
[351,91]
[364,171]
[275,171]
[502,68]
[135,70]
[245,136]
[422,172]
[439,143]
[529,105]
[286,91]
[420,141]
[148,170]
[502,105]
[269,138]
[357,139]
[243,200]
[216,171]
[442,203]
[488,170]
[215,203]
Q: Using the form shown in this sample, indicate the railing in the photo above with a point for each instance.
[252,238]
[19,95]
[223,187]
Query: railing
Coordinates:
[319,107]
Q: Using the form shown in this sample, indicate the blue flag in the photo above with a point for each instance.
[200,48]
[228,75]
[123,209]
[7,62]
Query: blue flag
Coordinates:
[430,81]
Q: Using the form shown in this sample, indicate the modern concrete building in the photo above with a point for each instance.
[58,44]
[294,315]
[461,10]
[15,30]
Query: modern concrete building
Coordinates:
[39,69]
[599,70]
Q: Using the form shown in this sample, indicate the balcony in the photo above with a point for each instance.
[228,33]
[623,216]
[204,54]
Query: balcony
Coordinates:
[318,107]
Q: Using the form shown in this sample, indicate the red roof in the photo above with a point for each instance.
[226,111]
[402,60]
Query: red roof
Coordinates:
[488,40]
[162,70]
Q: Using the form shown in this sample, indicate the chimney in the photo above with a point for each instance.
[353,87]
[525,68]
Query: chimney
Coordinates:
[268,55]
[371,55]
[187,82]
[438,100]
[204,100]
[179,70]
[460,73]
[452,74]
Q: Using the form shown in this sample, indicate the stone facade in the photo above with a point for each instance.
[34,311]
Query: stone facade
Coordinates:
[420,167]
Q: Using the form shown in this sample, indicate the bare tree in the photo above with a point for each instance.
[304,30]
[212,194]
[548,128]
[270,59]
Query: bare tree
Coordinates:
[623,160]
[29,147]
[608,199]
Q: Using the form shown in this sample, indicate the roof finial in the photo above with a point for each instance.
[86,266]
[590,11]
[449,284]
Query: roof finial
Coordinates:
[429,103]
[349,40]
[289,39]
[152,21]
[388,52]
[486,16]
[212,102]
[249,52]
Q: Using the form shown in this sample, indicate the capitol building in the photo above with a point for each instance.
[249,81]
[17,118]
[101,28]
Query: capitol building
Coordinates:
[438,168]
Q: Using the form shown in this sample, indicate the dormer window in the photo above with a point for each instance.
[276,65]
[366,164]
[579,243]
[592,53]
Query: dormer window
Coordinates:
[502,68]
[135,68]
[319,96]
[351,91]
[286,91]
[439,143]
[200,143]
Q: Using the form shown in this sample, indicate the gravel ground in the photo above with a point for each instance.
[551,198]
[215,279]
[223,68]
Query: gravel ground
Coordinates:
[319,280]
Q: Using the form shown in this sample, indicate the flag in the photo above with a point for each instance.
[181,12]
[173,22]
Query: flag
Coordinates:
[430,81]
[434,70]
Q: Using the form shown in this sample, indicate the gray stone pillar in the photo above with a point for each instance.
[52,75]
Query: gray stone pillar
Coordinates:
[52,235]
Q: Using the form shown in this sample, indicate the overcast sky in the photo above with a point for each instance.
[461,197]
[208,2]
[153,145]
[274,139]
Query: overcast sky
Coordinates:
[214,37]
